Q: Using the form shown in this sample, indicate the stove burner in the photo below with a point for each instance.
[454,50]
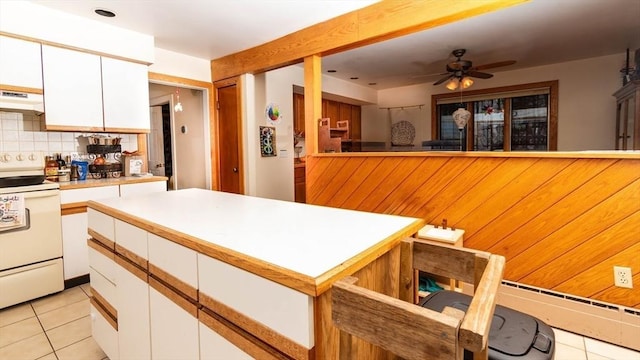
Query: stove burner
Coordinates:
[27,180]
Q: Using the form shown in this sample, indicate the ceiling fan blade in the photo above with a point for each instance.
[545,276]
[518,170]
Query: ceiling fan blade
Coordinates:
[444,79]
[495,65]
[479,74]
[428,75]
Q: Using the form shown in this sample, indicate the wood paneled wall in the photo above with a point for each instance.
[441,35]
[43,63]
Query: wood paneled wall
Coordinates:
[562,220]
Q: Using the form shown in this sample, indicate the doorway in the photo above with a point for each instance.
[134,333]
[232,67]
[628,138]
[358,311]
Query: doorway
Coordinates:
[177,145]
[229,139]
[159,142]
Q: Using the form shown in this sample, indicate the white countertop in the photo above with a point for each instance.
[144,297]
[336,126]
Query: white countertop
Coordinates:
[307,239]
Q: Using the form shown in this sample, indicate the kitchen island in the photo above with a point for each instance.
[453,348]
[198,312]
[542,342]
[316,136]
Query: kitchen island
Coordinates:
[73,208]
[203,274]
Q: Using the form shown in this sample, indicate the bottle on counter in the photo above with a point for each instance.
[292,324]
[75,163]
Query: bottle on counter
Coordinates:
[61,163]
[51,168]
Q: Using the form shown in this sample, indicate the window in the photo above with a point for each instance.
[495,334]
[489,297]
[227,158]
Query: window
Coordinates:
[514,118]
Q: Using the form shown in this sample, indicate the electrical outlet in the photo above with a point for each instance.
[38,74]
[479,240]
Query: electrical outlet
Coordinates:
[622,277]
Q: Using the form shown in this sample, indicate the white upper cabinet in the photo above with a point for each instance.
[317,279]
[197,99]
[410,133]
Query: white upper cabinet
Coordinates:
[125,91]
[72,90]
[20,64]
[86,92]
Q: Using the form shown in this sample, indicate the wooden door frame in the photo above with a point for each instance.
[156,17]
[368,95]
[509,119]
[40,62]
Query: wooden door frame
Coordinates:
[207,88]
[215,131]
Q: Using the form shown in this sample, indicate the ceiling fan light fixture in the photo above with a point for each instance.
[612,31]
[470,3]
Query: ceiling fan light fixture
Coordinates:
[452,84]
[466,82]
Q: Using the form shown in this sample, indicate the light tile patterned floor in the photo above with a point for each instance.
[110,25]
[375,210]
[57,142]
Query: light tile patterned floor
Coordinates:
[58,327]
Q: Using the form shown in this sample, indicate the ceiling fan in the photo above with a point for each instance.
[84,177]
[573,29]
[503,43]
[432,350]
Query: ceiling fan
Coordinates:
[460,72]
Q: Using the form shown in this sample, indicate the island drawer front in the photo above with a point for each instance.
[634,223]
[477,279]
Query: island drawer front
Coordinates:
[85,194]
[175,260]
[106,291]
[220,339]
[102,260]
[133,240]
[102,224]
[283,310]
[104,333]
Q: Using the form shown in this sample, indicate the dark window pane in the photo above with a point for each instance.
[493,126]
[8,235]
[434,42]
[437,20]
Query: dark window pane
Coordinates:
[488,117]
[529,119]
[448,128]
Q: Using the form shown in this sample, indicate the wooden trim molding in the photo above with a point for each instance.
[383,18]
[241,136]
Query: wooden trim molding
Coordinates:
[109,244]
[73,128]
[132,257]
[23,89]
[185,304]
[173,282]
[111,310]
[237,336]
[132,268]
[113,322]
[126,130]
[257,329]
[101,248]
[380,21]
[73,208]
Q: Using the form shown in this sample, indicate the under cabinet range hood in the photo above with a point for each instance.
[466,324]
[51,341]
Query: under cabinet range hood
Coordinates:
[21,102]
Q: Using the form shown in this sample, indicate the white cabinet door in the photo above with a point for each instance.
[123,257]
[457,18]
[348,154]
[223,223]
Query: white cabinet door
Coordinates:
[142,188]
[174,332]
[20,63]
[215,347]
[74,245]
[177,260]
[72,89]
[104,333]
[125,91]
[134,333]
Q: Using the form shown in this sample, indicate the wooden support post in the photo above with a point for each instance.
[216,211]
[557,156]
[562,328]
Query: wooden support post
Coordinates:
[312,101]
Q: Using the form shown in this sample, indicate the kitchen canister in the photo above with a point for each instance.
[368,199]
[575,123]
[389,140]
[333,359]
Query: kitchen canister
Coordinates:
[83,168]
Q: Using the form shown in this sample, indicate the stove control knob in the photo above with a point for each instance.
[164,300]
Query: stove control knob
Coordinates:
[33,157]
[5,158]
[20,157]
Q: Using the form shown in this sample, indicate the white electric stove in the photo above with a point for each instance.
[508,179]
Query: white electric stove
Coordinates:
[30,230]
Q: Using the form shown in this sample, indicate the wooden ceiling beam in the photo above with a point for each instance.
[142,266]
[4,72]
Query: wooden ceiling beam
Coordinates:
[381,21]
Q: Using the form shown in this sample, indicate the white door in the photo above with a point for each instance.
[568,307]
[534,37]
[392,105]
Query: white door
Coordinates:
[156,142]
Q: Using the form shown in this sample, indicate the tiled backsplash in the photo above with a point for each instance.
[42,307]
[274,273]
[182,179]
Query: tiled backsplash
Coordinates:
[20,132]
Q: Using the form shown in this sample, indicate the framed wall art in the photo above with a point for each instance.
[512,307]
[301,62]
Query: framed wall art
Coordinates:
[267,141]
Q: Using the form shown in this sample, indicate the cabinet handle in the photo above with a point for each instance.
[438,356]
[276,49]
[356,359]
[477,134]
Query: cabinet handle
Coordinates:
[235,170]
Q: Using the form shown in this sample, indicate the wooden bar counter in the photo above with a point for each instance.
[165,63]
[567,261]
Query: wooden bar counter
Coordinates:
[197,273]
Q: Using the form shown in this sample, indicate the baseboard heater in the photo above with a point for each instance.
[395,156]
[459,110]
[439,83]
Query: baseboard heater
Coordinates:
[612,323]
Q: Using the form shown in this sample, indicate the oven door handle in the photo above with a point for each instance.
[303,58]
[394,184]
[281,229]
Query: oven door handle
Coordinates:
[40,194]
[26,226]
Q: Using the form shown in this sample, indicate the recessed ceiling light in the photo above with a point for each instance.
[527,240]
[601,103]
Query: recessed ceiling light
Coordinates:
[331,71]
[354,78]
[373,84]
[105,12]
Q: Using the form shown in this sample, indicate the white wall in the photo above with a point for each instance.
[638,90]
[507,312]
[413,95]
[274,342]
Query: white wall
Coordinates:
[272,177]
[180,65]
[27,19]
[586,107]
